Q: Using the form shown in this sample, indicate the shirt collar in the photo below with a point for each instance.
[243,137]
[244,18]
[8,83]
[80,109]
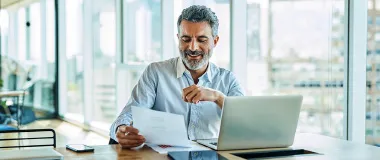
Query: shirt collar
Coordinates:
[182,69]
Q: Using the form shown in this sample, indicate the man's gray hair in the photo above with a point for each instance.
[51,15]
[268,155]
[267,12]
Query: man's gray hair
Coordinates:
[198,13]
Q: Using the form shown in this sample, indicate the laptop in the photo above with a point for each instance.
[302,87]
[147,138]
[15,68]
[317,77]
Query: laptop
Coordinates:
[250,122]
[40,154]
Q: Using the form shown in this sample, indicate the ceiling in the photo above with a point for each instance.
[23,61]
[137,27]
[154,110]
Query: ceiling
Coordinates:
[15,4]
[6,3]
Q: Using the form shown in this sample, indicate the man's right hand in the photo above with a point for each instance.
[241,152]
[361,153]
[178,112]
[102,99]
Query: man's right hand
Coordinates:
[128,137]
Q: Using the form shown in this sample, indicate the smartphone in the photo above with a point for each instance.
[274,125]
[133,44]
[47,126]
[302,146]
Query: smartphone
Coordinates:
[79,148]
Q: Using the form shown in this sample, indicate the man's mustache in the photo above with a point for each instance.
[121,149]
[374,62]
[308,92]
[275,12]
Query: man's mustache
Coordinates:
[193,53]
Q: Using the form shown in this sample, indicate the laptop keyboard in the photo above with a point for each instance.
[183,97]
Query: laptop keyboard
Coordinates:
[214,143]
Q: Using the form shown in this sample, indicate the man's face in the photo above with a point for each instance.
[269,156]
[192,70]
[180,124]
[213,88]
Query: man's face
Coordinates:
[196,43]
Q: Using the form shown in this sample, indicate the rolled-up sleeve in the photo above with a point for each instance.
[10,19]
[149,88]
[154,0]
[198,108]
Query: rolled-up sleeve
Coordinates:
[143,95]
[234,89]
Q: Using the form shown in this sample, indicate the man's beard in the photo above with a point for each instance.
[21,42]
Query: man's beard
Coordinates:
[195,64]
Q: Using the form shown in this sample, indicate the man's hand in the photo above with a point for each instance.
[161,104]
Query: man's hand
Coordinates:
[128,137]
[195,94]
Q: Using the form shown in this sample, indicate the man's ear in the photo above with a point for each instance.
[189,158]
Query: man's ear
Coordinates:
[216,40]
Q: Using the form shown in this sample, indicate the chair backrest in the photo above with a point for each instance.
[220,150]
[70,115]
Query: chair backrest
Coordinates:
[32,138]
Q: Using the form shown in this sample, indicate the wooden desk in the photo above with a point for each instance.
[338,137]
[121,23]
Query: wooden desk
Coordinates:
[329,148]
[11,93]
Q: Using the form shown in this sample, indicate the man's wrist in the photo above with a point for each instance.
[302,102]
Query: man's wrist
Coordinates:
[117,128]
[219,99]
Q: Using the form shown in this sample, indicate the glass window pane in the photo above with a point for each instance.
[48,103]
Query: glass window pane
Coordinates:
[31,73]
[130,77]
[50,39]
[373,78]
[74,59]
[221,53]
[296,47]
[104,45]
[35,32]
[50,31]
[50,70]
[21,32]
[142,44]
[143,31]
[4,32]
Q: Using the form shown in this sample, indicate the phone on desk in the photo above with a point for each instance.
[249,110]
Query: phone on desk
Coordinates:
[79,148]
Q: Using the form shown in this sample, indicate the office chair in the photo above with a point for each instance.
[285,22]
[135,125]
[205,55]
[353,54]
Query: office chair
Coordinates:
[112,141]
[6,128]
[28,131]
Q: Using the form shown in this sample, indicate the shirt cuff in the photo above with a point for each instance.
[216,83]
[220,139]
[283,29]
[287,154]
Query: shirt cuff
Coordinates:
[116,124]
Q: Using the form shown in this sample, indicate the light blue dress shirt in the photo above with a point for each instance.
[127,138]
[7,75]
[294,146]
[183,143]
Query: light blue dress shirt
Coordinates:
[160,88]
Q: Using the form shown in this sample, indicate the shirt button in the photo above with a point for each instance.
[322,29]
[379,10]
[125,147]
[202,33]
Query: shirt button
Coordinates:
[193,125]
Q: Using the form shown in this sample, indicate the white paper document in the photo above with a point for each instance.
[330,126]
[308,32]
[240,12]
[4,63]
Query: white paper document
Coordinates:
[160,128]
[164,149]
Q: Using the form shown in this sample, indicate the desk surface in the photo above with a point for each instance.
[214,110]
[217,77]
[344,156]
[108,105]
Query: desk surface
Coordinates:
[11,93]
[329,148]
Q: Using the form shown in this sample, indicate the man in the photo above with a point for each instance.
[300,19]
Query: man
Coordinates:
[188,85]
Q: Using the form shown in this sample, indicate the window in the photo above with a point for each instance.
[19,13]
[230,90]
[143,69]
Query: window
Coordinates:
[26,32]
[74,59]
[47,60]
[142,31]
[221,53]
[373,79]
[142,44]
[113,75]
[50,40]
[50,31]
[296,47]
[104,54]
[21,32]
[4,33]
[293,47]
[35,32]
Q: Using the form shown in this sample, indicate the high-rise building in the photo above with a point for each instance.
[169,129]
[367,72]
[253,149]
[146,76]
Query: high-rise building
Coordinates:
[299,50]
[373,78]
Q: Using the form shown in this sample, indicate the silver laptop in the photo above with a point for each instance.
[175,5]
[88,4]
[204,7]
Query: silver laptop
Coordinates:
[257,122]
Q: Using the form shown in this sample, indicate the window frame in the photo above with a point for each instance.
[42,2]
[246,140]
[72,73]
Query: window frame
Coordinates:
[355,69]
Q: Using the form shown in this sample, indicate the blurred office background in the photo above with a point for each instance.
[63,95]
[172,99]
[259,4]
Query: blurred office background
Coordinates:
[80,59]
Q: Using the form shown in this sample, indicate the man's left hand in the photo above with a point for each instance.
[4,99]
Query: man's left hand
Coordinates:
[195,94]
